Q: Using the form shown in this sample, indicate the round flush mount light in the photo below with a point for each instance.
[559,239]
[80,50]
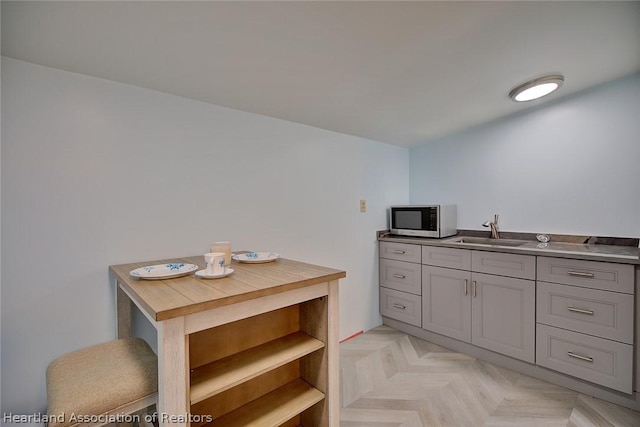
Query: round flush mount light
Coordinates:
[536,88]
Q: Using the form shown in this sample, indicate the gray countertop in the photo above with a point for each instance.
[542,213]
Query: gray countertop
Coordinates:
[566,246]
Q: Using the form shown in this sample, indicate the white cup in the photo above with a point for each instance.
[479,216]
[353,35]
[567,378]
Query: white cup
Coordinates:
[224,247]
[214,263]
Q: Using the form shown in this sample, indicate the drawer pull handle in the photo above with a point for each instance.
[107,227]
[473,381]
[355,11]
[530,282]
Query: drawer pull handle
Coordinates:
[580,310]
[577,356]
[466,282]
[398,251]
[581,274]
[400,306]
[399,276]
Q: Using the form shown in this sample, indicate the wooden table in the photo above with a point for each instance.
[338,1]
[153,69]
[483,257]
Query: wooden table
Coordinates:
[259,346]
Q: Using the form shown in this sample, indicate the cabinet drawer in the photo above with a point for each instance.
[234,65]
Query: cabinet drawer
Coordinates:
[604,362]
[401,276]
[590,274]
[510,265]
[400,251]
[594,312]
[401,306]
[447,257]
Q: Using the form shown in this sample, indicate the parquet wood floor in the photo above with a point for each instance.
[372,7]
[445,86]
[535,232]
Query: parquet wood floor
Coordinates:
[389,378]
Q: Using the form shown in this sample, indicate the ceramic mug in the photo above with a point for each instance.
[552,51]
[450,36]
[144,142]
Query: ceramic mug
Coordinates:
[214,263]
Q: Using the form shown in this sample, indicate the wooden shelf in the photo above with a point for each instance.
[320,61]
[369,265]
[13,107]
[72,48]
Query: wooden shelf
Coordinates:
[224,374]
[275,408]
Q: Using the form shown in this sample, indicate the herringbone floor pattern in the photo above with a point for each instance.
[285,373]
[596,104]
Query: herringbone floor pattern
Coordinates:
[389,378]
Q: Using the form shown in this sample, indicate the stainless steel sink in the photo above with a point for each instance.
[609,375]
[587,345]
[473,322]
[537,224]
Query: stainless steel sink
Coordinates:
[486,241]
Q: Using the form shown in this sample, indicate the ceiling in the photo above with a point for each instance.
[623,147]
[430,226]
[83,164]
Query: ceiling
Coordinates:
[397,72]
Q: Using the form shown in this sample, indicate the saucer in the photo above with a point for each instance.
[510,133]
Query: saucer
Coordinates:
[203,275]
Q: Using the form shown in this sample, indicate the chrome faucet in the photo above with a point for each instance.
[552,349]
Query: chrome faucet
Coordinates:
[494,227]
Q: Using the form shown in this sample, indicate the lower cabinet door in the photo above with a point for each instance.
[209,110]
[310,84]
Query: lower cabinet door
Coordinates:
[400,306]
[605,362]
[503,315]
[446,305]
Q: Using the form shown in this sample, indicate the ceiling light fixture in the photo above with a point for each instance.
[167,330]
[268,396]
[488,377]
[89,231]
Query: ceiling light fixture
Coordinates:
[536,88]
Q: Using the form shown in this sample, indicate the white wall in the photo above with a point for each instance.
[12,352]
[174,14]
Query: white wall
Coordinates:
[96,173]
[571,166]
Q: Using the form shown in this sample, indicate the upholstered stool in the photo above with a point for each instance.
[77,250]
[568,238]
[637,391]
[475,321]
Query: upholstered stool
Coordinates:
[117,377]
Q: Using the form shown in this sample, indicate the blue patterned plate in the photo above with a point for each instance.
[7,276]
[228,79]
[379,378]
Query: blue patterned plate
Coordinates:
[256,257]
[163,271]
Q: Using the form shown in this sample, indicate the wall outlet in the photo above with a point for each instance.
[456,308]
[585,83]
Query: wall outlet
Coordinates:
[363,205]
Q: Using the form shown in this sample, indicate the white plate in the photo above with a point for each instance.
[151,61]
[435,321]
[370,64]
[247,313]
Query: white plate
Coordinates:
[163,271]
[256,257]
[201,274]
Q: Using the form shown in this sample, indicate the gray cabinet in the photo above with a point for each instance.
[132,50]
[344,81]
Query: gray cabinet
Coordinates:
[587,274]
[400,251]
[590,358]
[503,315]
[590,311]
[576,317]
[502,264]
[401,276]
[492,311]
[401,306]
[401,282]
[446,302]
[585,314]
[446,257]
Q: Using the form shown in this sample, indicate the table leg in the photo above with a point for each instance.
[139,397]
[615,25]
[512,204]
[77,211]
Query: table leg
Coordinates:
[173,373]
[333,356]
[123,313]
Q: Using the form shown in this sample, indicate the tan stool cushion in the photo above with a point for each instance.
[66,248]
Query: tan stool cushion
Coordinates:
[100,378]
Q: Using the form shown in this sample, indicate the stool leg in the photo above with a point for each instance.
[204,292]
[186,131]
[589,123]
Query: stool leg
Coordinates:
[148,417]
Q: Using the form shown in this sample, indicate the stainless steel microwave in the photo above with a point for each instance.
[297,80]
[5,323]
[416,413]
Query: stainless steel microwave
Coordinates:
[423,220]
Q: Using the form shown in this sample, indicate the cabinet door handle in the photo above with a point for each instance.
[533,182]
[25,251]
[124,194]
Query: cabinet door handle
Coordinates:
[580,310]
[581,274]
[400,306]
[474,285]
[399,276]
[466,282]
[398,251]
[577,356]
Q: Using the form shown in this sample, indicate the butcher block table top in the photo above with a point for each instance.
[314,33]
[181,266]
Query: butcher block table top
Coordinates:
[169,298]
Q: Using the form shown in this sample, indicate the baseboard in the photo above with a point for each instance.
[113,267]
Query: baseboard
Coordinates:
[351,336]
